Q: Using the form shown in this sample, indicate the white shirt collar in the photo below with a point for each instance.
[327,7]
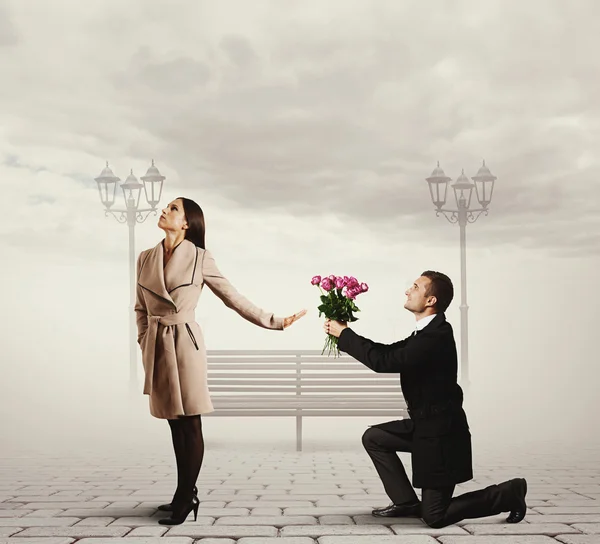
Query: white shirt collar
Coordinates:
[424,322]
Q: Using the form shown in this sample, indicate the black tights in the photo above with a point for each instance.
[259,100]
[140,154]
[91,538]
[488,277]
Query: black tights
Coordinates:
[188,444]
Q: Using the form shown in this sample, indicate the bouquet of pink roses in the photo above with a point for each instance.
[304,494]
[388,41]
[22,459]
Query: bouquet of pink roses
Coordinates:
[338,304]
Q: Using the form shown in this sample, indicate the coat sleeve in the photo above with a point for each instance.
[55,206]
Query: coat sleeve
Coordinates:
[221,287]
[141,312]
[388,358]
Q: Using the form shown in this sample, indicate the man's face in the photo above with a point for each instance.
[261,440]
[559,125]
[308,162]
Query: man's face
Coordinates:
[416,299]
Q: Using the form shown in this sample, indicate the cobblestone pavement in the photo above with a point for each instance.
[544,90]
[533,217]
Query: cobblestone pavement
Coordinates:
[256,496]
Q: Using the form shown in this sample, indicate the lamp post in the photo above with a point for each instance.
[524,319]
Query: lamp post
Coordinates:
[463,214]
[107,184]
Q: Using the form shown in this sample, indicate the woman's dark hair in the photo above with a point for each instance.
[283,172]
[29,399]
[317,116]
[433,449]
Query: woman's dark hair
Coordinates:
[195,219]
[441,288]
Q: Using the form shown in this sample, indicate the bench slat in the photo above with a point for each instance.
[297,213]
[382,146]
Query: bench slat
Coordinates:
[262,388]
[310,413]
[321,398]
[307,400]
[287,366]
[292,382]
[306,375]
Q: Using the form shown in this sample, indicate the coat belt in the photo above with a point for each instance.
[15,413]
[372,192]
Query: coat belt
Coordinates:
[149,353]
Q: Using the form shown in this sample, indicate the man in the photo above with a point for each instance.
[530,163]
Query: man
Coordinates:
[437,433]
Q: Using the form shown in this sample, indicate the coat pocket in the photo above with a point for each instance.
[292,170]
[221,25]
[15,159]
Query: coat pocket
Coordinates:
[191,335]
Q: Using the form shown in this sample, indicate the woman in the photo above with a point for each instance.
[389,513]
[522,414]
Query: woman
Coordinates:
[170,279]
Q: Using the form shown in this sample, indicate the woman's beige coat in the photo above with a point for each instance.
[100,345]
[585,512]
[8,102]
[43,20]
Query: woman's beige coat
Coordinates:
[172,343]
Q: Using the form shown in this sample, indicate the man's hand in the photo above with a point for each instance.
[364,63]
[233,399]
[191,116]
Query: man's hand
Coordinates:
[334,328]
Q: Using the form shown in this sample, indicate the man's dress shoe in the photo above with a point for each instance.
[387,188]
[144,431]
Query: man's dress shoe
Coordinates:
[518,512]
[398,511]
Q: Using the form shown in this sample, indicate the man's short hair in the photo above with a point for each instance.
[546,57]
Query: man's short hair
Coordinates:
[441,288]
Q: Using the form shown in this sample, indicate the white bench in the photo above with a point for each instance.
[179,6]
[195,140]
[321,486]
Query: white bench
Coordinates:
[299,384]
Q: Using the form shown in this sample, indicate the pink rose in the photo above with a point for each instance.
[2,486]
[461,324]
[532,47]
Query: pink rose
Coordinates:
[316,280]
[364,287]
[332,278]
[327,284]
[339,282]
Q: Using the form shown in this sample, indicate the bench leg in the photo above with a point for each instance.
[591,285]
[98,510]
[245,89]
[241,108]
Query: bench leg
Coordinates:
[298,433]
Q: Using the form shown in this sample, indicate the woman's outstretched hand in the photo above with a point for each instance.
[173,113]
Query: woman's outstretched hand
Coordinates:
[287,321]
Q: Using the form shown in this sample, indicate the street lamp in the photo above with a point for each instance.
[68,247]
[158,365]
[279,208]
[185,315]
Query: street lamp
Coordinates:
[152,184]
[463,191]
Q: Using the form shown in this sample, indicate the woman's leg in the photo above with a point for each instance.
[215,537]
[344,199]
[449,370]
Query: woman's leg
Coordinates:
[178,436]
[194,453]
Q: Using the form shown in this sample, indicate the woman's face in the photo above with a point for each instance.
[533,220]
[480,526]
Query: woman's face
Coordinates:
[173,217]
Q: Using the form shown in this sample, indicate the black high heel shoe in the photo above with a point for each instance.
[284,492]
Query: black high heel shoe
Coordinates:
[179,517]
[169,507]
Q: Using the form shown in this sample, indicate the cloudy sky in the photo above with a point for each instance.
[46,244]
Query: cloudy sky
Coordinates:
[305,130]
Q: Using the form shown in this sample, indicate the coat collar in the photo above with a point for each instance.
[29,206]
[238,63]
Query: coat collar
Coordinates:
[438,320]
[179,271]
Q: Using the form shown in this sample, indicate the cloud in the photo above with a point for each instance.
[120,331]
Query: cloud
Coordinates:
[9,35]
[314,110]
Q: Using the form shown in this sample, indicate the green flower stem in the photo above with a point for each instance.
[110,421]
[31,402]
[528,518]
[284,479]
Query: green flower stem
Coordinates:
[331,345]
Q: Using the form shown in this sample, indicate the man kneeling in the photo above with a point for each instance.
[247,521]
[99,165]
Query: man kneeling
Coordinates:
[437,433]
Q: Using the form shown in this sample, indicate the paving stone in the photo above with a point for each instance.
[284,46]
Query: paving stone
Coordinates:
[149,521]
[372,520]
[563,518]
[578,539]
[46,499]
[226,531]
[43,513]
[221,512]
[336,520]
[312,497]
[8,531]
[260,493]
[264,503]
[76,531]
[37,522]
[107,512]
[269,511]
[278,540]
[95,522]
[14,513]
[275,521]
[61,505]
[550,529]
[327,510]
[592,528]
[322,530]
[117,504]
[135,540]
[423,529]
[379,539]
[147,531]
[497,539]
[365,496]
[216,541]
[336,501]
[568,510]
[49,540]
[569,502]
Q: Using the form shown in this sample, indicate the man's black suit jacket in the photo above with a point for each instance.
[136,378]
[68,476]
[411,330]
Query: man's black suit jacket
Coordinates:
[428,368]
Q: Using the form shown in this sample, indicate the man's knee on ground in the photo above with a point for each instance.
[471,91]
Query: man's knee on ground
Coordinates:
[434,520]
